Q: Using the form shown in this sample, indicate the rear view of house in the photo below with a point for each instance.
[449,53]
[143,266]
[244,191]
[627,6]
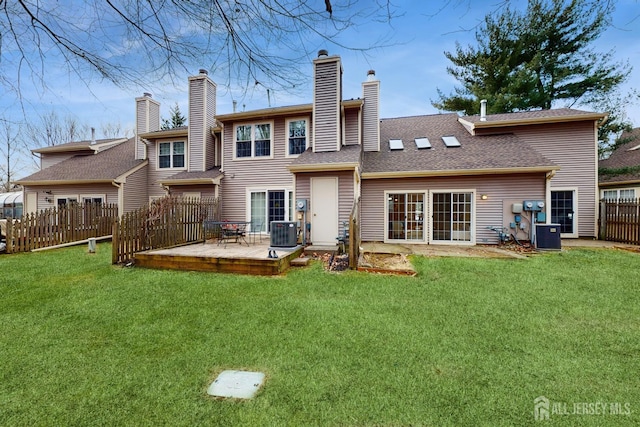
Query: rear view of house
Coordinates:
[432,179]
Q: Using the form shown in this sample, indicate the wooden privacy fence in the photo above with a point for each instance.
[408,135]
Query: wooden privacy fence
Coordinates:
[620,220]
[60,225]
[166,222]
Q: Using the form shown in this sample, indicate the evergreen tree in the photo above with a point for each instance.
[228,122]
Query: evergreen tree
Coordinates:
[177,119]
[536,59]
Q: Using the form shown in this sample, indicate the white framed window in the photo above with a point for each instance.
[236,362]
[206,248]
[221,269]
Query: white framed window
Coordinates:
[92,206]
[266,205]
[62,201]
[297,136]
[253,140]
[171,155]
[93,198]
[629,193]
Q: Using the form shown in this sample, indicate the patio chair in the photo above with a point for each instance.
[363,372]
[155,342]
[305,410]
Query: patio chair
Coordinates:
[236,231]
[256,229]
[343,238]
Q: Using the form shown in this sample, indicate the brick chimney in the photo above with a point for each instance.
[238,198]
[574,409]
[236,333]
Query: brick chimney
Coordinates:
[202,113]
[327,99]
[371,113]
[147,120]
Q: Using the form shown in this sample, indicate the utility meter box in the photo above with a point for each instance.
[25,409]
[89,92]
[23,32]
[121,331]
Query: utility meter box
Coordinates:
[533,205]
[516,208]
[301,205]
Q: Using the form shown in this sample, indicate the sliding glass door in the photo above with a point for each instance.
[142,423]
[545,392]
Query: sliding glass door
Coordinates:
[452,217]
[405,216]
[270,205]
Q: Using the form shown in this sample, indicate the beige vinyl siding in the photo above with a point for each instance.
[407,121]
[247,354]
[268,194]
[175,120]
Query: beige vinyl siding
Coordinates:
[47,160]
[501,191]
[141,126]
[371,116]
[210,118]
[106,190]
[154,116]
[352,127]
[134,191]
[240,174]
[573,146]
[196,124]
[156,175]
[147,120]
[202,98]
[326,106]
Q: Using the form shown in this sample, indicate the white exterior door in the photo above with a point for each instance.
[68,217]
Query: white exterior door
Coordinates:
[324,211]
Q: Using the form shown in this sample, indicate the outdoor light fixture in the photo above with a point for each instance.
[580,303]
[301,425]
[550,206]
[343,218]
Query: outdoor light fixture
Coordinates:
[48,199]
[484,197]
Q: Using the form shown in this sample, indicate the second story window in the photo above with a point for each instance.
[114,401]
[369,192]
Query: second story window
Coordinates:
[171,155]
[297,137]
[253,140]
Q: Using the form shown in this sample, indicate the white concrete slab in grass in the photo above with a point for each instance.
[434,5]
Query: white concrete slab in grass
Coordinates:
[236,384]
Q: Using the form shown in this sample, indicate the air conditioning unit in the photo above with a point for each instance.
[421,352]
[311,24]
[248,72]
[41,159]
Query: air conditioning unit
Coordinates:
[548,236]
[284,234]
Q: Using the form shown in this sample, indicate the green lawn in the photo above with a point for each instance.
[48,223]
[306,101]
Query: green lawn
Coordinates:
[466,342]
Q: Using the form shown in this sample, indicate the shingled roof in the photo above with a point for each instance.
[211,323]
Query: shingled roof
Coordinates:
[558,114]
[104,166]
[626,155]
[213,175]
[475,155]
[347,158]
[85,145]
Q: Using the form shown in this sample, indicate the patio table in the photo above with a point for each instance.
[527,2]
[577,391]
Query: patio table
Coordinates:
[226,231]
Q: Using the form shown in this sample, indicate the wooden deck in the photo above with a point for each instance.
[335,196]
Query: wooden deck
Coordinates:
[234,258]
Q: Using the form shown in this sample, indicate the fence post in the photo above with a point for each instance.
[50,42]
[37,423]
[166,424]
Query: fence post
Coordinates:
[602,232]
[9,236]
[114,242]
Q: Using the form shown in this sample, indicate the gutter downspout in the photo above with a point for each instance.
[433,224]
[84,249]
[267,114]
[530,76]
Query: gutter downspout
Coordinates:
[547,183]
[120,188]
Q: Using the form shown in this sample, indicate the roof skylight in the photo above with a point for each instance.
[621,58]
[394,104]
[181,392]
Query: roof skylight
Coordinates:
[451,141]
[423,143]
[396,144]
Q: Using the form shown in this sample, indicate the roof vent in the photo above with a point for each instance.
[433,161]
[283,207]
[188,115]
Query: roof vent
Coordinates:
[323,53]
[203,71]
[93,136]
[483,110]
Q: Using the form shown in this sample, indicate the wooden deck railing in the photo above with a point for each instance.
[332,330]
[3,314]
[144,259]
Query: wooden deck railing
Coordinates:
[620,221]
[60,225]
[165,223]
